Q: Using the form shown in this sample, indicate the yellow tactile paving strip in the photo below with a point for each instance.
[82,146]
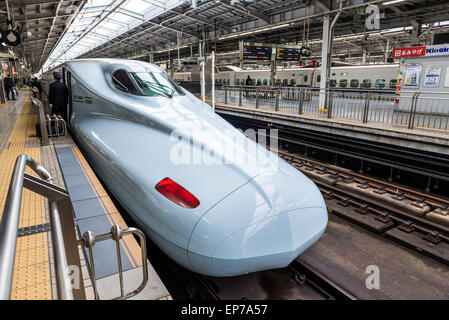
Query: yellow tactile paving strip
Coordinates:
[31,279]
[132,248]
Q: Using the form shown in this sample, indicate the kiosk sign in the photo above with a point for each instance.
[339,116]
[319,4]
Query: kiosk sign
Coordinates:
[437,50]
[427,51]
[409,52]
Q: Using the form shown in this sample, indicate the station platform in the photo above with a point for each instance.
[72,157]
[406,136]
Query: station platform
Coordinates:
[34,274]
[435,141]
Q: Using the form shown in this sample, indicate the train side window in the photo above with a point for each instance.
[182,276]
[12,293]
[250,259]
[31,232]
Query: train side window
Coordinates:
[343,83]
[227,82]
[238,82]
[318,78]
[284,82]
[333,83]
[220,81]
[393,83]
[306,78]
[366,83]
[380,83]
[259,82]
[122,82]
[292,82]
[265,82]
[278,82]
[355,83]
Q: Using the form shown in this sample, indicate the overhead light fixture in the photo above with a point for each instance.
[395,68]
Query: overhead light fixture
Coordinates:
[391,2]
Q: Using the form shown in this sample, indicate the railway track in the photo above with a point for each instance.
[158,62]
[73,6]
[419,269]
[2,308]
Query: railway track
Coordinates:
[412,218]
[296,282]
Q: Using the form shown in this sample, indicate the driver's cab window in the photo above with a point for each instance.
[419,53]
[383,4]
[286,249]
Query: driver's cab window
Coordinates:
[122,82]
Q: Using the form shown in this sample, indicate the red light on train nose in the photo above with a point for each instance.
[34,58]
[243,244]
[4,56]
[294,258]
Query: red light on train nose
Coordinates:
[176,193]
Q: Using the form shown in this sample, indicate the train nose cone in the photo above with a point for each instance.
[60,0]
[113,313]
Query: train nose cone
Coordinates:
[264,224]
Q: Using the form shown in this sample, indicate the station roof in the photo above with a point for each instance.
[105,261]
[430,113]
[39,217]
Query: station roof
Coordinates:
[55,31]
[278,21]
[40,23]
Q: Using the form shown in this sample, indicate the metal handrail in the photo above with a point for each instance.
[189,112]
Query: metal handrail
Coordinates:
[88,241]
[275,87]
[10,222]
[42,120]
[58,121]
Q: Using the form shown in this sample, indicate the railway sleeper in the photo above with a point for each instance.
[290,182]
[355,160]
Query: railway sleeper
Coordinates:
[440,215]
[399,201]
[429,244]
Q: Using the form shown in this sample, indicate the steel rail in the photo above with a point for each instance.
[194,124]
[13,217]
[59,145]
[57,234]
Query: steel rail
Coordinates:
[320,282]
[390,187]
[9,229]
[398,215]
[394,214]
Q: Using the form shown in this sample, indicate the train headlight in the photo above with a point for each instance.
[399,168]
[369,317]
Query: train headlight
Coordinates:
[176,193]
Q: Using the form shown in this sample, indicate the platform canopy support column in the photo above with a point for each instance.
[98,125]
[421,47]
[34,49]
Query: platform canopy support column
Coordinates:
[324,62]
[364,54]
[326,55]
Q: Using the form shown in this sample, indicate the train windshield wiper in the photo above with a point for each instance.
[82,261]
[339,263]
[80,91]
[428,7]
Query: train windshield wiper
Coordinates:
[121,84]
[158,88]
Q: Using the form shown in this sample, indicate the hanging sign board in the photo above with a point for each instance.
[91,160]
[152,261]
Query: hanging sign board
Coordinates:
[289,54]
[409,52]
[437,50]
[257,53]
[412,75]
[432,76]
[423,51]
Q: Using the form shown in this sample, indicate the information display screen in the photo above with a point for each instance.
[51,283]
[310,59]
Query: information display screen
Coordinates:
[289,54]
[257,52]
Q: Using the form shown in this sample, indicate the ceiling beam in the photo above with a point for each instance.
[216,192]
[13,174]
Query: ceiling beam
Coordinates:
[243,9]
[202,20]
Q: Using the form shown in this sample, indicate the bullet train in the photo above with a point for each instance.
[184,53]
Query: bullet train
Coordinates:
[382,76]
[218,211]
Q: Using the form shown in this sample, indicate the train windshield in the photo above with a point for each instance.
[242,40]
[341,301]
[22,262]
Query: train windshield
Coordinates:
[156,83]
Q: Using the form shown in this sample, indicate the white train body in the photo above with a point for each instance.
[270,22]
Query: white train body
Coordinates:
[367,76]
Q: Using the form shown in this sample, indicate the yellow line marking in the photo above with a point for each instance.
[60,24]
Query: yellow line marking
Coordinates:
[31,278]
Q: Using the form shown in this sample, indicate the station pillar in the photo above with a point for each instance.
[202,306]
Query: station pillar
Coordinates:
[325,68]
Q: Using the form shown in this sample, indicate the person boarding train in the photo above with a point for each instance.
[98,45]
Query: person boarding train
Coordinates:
[58,96]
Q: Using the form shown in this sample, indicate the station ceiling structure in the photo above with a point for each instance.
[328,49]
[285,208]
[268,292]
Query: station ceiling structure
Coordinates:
[55,31]
[41,23]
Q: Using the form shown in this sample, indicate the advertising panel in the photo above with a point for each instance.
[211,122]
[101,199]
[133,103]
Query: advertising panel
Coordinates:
[432,76]
[412,75]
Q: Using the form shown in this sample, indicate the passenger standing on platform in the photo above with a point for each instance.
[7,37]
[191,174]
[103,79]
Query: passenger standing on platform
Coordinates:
[15,86]
[36,84]
[9,84]
[58,96]
[249,81]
